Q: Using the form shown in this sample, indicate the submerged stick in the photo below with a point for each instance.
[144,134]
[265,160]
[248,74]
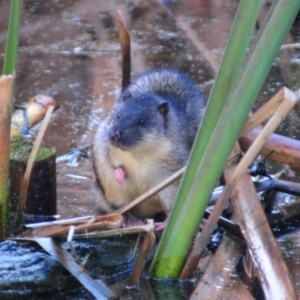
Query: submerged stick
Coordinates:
[144,253]
[220,272]
[265,253]
[26,178]
[73,250]
[124,38]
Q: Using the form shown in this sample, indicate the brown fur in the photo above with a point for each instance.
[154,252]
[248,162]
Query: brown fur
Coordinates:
[154,151]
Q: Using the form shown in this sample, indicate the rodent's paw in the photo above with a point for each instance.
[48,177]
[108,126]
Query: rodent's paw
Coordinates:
[160,226]
[120,174]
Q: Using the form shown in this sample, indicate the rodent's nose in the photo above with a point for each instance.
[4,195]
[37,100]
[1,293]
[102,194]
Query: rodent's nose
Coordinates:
[115,136]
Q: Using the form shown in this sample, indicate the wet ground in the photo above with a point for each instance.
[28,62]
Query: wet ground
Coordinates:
[70,50]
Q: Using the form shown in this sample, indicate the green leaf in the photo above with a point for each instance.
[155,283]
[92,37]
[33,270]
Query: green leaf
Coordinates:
[12,43]
[222,124]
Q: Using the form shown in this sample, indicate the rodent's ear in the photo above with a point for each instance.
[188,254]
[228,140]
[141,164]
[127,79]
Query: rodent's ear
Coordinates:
[164,108]
[126,95]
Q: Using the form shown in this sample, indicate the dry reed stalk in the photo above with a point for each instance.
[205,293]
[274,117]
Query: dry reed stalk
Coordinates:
[124,38]
[6,90]
[278,148]
[115,232]
[152,191]
[108,222]
[264,112]
[73,250]
[144,253]
[61,228]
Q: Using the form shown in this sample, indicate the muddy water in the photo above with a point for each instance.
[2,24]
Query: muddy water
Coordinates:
[69,50]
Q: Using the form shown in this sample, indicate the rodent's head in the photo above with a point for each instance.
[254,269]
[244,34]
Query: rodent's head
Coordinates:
[136,121]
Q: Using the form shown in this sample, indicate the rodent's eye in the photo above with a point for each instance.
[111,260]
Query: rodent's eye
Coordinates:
[141,121]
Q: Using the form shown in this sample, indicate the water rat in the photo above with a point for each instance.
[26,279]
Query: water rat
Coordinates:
[145,138]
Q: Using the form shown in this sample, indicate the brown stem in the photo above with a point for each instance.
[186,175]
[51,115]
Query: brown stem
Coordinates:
[145,250]
[124,38]
[6,88]
[278,148]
